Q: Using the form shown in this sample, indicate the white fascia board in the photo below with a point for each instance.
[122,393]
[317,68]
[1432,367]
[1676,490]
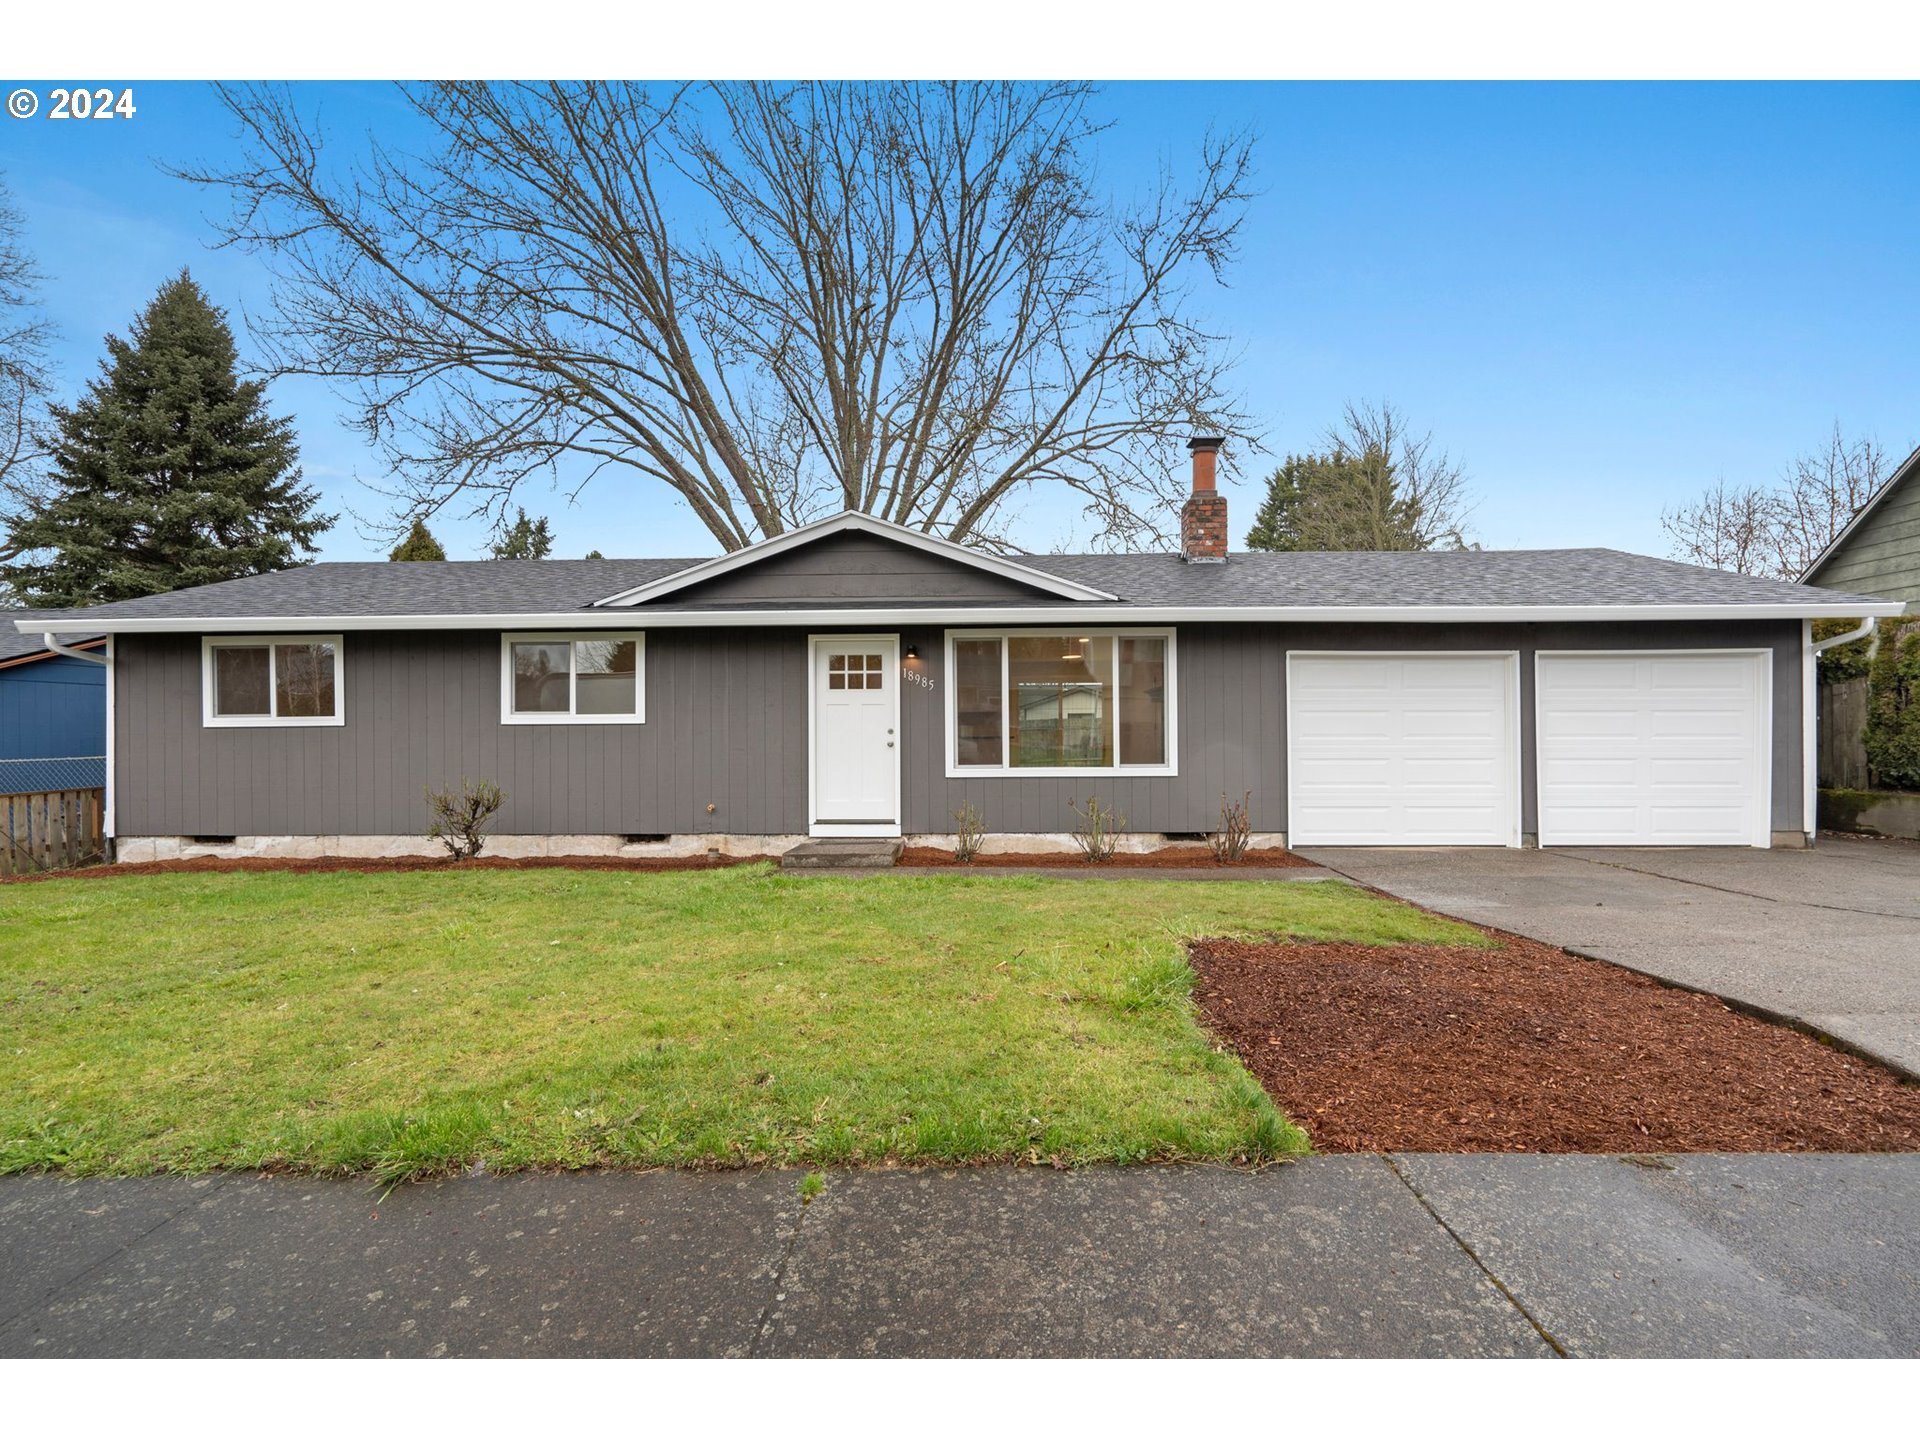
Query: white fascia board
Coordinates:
[866,524]
[624,619]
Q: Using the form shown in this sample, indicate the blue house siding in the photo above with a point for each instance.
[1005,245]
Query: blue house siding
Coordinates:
[53,725]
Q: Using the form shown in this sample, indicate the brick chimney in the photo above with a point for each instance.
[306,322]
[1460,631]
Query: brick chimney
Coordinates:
[1203,519]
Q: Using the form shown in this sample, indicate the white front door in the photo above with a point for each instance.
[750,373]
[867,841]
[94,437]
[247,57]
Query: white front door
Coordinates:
[1403,749]
[1654,748]
[856,735]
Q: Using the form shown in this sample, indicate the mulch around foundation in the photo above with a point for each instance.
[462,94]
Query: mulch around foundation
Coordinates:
[212,864]
[1524,1047]
[1171,857]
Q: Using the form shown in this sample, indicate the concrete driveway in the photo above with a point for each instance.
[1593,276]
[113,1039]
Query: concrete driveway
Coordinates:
[1828,936]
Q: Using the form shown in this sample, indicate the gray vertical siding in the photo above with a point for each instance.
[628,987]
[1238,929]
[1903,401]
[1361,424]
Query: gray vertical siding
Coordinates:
[727,725]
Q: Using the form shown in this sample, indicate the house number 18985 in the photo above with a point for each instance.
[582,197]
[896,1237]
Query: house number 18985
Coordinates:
[925,682]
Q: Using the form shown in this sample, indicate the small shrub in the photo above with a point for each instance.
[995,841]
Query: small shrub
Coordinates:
[460,817]
[1229,842]
[1098,830]
[1893,706]
[969,829]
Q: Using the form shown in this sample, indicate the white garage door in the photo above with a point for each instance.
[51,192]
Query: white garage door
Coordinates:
[1402,750]
[1654,749]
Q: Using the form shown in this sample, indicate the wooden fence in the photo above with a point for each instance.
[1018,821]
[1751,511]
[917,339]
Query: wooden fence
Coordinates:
[1843,731]
[50,830]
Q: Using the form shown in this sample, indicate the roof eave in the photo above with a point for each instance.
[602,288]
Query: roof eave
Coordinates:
[627,619]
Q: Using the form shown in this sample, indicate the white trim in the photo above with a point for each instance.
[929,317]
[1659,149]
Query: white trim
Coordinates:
[210,643]
[510,716]
[1518,798]
[865,524]
[1809,732]
[826,829]
[1004,770]
[1762,837]
[1080,616]
[107,826]
[1873,503]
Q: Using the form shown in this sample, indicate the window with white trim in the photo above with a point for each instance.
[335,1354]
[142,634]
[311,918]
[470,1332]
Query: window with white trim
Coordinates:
[594,678]
[248,680]
[1060,702]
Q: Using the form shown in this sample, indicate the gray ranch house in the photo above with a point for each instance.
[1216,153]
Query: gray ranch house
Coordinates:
[858,678]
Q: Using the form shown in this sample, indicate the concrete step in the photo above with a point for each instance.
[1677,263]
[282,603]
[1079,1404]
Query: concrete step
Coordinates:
[842,854]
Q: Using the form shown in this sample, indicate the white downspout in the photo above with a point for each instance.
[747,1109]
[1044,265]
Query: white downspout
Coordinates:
[108,828]
[1864,629]
[1810,651]
[92,657]
[95,658]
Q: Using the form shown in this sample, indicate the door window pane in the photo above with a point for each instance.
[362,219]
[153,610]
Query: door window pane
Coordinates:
[1059,690]
[303,680]
[605,677]
[1143,700]
[540,684]
[976,700]
[241,682]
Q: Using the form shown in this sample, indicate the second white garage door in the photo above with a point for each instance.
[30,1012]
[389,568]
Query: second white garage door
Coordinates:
[1402,750]
[1659,748]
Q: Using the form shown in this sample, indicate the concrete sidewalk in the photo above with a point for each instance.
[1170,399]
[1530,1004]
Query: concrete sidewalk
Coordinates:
[1352,1255]
[1828,936]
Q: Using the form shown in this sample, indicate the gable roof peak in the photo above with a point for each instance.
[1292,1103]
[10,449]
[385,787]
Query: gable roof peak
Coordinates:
[1905,470]
[855,521]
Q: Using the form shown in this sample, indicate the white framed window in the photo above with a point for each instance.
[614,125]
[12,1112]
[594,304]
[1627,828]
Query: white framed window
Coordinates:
[1060,701]
[265,680]
[594,677]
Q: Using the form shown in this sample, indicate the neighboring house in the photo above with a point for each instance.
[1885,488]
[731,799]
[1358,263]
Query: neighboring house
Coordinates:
[856,678]
[53,714]
[1879,551]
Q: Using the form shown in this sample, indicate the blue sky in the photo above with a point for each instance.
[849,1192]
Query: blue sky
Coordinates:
[1601,298]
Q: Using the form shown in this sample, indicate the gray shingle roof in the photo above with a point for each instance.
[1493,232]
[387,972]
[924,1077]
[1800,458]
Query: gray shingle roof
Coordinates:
[1429,577]
[1259,579]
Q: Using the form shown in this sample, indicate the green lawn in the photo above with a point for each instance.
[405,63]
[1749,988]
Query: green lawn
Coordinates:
[402,1024]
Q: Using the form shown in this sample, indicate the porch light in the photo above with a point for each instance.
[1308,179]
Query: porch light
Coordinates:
[913,652]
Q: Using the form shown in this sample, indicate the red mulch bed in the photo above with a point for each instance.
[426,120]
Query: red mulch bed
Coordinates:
[1525,1047]
[208,864]
[1171,857]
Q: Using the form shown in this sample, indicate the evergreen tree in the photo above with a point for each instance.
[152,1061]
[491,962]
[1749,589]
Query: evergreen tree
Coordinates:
[1374,486]
[524,539]
[1342,500]
[169,472]
[419,545]
[594,555]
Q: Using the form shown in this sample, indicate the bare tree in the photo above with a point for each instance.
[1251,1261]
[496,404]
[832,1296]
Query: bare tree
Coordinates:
[777,300]
[1730,527]
[1821,492]
[1779,530]
[24,334]
[1373,486]
[1430,486]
